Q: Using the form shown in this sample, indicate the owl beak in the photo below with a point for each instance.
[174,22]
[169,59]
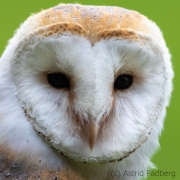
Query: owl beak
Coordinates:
[92,134]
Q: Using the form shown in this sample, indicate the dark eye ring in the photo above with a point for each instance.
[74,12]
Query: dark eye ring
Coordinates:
[58,80]
[123,81]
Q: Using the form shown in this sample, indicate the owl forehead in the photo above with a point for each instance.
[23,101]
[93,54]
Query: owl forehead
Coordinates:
[90,20]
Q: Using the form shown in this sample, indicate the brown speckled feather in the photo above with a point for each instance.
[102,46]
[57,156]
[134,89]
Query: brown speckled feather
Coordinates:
[88,21]
[15,167]
[64,174]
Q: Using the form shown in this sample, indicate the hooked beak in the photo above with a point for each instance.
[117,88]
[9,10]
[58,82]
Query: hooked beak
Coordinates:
[92,134]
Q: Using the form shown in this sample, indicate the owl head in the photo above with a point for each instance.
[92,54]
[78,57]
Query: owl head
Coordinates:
[93,81]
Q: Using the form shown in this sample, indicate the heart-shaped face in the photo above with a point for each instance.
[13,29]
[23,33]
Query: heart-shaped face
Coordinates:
[91,80]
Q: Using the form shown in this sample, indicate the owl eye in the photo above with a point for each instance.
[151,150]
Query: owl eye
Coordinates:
[123,81]
[58,80]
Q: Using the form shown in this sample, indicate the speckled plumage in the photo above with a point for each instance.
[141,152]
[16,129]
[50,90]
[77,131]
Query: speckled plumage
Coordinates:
[90,20]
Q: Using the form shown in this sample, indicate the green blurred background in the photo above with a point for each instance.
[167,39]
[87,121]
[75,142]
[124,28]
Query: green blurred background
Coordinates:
[166,14]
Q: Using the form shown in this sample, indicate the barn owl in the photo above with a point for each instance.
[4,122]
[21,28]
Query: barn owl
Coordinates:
[83,94]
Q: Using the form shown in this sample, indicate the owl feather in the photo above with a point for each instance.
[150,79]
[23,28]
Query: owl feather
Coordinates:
[83,94]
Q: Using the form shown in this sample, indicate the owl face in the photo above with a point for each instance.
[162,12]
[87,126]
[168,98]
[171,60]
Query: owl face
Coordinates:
[93,91]
[89,107]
